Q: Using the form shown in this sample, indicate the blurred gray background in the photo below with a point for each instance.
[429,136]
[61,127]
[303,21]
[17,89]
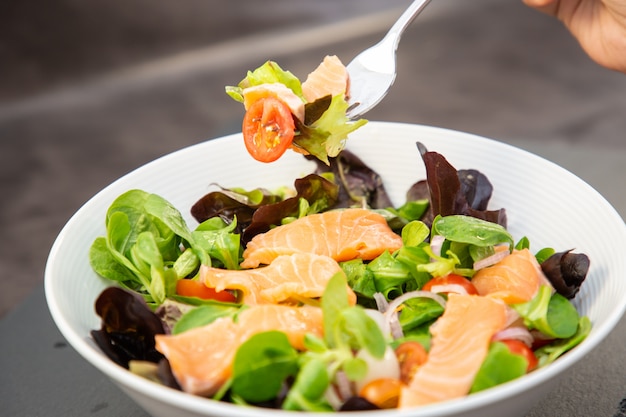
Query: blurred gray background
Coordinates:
[92,90]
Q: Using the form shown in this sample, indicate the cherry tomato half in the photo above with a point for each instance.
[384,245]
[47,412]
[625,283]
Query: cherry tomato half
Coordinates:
[411,355]
[518,347]
[451,279]
[268,129]
[191,288]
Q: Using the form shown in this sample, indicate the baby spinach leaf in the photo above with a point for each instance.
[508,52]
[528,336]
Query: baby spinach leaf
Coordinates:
[334,300]
[440,265]
[359,331]
[314,344]
[119,237]
[551,314]
[204,314]
[105,264]
[360,278]
[389,274]
[348,327]
[549,353]
[162,210]
[412,257]
[148,245]
[415,233]
[186,264]
[417,311]
[355,369]
[467,229]
[499,366]
[412,210]
[222,245]
[307,392]
[148,258]
[261,365]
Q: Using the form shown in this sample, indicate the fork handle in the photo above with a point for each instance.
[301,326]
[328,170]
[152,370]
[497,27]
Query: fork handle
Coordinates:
[405,20]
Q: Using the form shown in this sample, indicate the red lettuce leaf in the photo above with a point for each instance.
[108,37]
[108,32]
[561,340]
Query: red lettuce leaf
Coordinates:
[359,185]
[128,327]
[566,271]
[452,191]
[318,191]
[253,219]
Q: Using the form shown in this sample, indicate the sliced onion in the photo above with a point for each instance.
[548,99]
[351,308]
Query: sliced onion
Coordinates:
[516,333]
[490,260]
[381,302]
[537,335]
[512,316]
[391,313]
[415,294]
[332,397]
[395,327]
[344,387]
[435,244]
[455,288]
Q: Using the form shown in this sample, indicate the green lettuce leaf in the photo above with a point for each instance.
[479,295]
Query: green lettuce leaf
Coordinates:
[268,73]
[327,136]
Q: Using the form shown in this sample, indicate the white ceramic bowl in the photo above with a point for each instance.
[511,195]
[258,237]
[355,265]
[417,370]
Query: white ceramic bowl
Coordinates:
[544,202]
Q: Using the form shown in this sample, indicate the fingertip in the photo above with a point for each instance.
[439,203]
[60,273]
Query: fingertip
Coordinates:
[538,3]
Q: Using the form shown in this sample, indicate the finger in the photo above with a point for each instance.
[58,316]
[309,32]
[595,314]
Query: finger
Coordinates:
[546,6]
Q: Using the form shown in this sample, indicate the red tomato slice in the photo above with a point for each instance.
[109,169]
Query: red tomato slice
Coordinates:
[191,288]
[450,279]
[268,129]
[518,347]
[411,355]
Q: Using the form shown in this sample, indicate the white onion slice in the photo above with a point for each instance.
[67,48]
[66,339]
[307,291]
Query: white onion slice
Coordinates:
[516,333]
[455,288]
[415,294]
[332,397]
[344,387]
[512,317]
[381,302]
[394,326]
[391,313]
[436,243]
[490,260]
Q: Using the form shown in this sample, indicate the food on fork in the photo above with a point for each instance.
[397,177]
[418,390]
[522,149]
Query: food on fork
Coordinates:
[283,113]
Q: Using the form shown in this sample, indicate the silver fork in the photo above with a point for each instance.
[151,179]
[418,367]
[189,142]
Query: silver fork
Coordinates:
[373,71]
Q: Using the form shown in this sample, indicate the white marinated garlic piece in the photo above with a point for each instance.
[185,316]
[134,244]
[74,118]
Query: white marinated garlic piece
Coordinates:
[276,90]
[386,367]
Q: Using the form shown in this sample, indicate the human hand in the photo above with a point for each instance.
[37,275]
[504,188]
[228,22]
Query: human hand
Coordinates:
[598,25]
